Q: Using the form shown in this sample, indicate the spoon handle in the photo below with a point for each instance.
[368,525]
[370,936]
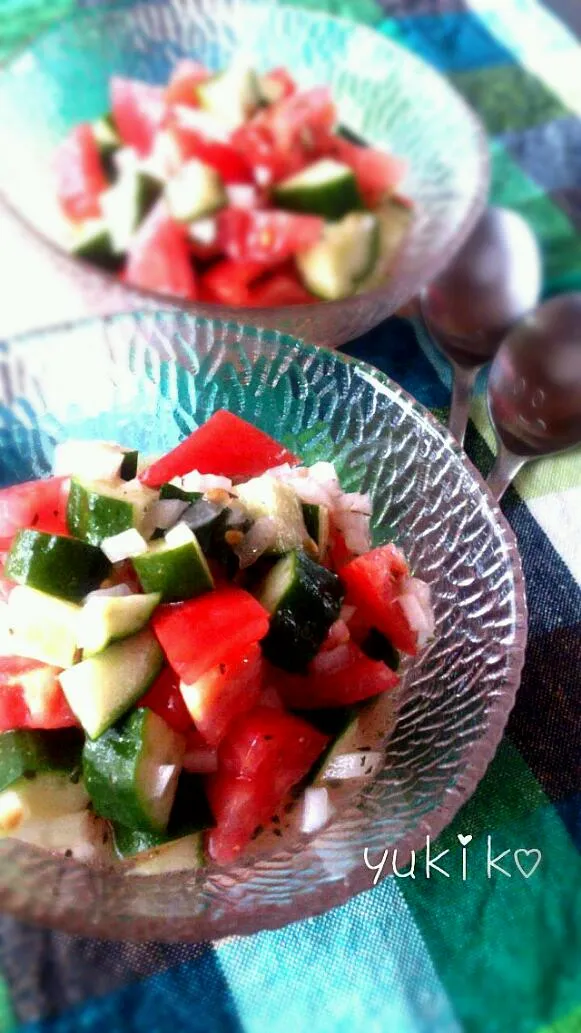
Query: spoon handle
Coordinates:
[504,471]
[462,390]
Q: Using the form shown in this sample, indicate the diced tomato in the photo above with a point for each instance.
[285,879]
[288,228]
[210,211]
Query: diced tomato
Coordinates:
[229,283]
[304,120]
[224,692]
[40,504]
[280,289]
[337,678]
[31,696]
[338,554]
[281,82]
[378,173]
[266,236]
[203,632]
[265,752]
[138,109]
[225,445]
[79,173]
[194,140]
[165,699]
[374,583]
[158,257]
[183,85]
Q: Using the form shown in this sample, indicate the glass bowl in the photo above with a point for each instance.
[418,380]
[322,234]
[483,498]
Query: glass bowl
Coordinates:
[384,92]
[147,379]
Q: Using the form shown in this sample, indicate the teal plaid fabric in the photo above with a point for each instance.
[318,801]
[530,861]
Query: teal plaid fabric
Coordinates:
[489,955]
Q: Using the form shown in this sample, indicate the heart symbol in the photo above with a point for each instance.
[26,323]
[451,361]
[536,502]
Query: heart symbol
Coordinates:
[527,853]
[464,840]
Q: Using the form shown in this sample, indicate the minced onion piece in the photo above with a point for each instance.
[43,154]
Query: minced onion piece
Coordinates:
[201,761]
[317,809]
[416,604]
[92,460]
[179,535]
[202,482]
[124,545]
[203,231]
[201,513]
[256,541]
[354,765]
[166,512]
[104,593]
[241,195]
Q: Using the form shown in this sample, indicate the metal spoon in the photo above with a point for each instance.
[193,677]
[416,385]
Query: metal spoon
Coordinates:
[492,283]
[534,389]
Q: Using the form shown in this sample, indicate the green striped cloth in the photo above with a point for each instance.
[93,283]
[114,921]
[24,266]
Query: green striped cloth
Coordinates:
[498,952]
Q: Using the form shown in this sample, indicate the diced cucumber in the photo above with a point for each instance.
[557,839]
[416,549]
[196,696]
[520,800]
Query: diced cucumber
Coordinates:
[351,136]
[345,740]
[347,254]
[102,509]
[231,97]
[125,205]
[268,497]
[304,600]
[46,628]
[108,141]
[24,754]
[394,218]
[107,619]
[176,567]
[378,647]
[317,522]
[190,813]
[195,192]
[82,836]
[47,795]
[52,563]
[92,241]
[187,852]
[205,519]
[328,188]
[100,689]
[131,772]
[129,464]
[173,491]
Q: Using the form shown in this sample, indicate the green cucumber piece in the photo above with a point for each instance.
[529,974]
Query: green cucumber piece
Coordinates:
[48,795]
[345,740]
[107,619]
[103,509]
[173,491]
[24,754]
[52,563]
[176,855]
[176,567]
[190,813]
[318,524]
[304,600]
[328,188]
[92,242]
[351,136]
[394,220]
[347,254]
[377,647]
[129,464]
[100,689]
[231,97]
[125,205]
[131,772]
[268,497]
[108,141]
[195,192]
[45,628]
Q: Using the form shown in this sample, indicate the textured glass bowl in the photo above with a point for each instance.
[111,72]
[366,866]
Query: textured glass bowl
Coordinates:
[147,379]
[384,92]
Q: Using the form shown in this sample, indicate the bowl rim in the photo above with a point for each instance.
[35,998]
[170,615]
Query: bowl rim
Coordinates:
[205,309]
[359,879]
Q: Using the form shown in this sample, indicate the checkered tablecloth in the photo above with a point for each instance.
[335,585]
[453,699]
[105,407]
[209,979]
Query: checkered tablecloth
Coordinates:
[497,953]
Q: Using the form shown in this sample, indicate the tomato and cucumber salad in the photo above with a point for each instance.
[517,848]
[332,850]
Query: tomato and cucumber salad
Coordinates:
[186,641]
[233,188]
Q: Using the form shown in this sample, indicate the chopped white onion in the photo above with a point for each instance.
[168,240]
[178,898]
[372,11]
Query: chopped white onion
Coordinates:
[104,593]
[355,502]
[203,231]
[242,195]
[262,175]
[93,460]
[201,121]
[201,761]
[165,159]
[317,810]
[124,545]
[416,604]
[179,535]
[354,765]
[202,482]
[256,541]
[165,513]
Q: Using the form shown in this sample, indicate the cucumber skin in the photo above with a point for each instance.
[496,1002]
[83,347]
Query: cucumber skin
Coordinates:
[172,491]
[48,561]
[345,199]
[25,753]
[93,517]
[377,647]
[184,820]
[111,768]
[98,250]
[129,464]
[303,616]
[173,574]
